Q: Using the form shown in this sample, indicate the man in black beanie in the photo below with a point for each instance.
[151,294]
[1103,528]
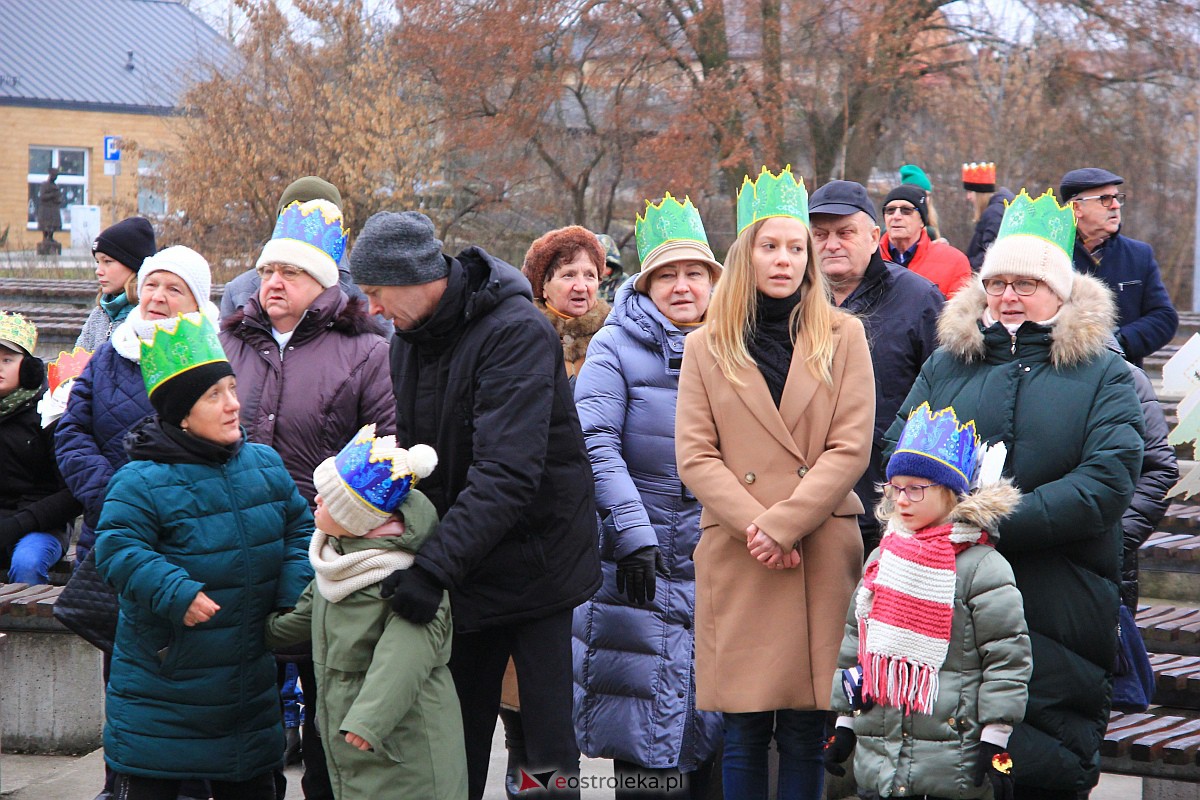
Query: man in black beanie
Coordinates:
[905,241]
[478,374]
[1146,319]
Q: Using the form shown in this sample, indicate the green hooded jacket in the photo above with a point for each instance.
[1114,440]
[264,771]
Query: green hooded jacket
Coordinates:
[385,679]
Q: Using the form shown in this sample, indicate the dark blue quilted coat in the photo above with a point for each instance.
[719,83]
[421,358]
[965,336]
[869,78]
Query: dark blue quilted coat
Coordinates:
[198,701]
[108,400]
[634,677]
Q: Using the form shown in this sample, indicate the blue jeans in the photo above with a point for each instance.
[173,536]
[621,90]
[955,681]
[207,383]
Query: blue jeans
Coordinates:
[799,738]
[33,557]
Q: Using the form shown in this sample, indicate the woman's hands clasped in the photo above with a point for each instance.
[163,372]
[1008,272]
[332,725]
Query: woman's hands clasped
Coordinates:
[768,551]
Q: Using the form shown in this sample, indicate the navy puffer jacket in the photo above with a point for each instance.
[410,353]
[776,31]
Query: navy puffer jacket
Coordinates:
[635,682]
[107,401]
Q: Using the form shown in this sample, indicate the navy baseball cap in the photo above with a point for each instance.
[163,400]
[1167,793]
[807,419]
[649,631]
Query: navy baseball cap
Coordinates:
[841,198]
[1079,180]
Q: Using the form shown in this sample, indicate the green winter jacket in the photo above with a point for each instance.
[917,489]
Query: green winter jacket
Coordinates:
[198,701]
[385,679]
[1066,408]
[982,682]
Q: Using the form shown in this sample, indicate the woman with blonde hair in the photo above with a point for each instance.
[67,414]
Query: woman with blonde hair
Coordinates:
[773,429]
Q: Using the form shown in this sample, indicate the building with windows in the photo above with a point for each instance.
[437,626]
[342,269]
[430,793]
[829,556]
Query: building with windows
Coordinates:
[74,72]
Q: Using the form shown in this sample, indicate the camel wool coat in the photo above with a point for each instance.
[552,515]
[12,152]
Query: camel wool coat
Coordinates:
[768,639]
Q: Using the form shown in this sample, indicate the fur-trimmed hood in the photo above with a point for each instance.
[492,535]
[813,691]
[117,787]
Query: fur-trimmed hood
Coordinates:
[1085,323]
[576,333]
[987,506]
[984,507]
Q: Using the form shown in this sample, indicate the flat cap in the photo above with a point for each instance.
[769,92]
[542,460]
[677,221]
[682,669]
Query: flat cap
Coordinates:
[1079,180]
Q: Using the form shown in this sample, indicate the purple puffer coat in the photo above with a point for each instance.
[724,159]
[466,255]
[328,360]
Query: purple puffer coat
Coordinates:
[635,682]
[331,379]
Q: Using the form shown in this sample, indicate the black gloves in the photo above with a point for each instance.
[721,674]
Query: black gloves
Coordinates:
[415,594]
[838,748]
[635,574]
[10,532]
[995,764]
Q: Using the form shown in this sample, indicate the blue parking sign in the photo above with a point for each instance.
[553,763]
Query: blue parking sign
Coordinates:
[112,148]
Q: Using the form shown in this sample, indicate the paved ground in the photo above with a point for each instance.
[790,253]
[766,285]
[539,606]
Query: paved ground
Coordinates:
[79,778]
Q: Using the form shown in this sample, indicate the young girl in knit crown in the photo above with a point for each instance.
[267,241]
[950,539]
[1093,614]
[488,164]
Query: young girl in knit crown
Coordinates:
[936,660]
[389,712]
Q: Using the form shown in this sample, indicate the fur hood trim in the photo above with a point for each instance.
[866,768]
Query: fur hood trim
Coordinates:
[351,319]
[1081,332]
[987,506]
[576,333]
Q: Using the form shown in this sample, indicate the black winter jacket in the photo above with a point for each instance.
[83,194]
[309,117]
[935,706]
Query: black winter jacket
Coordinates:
[899,310]
[483,382]
[988,226]
[1146,320]
[1160,470]
[32,492]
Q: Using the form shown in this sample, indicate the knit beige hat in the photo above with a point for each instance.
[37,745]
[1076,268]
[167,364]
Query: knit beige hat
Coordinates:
[1035,240]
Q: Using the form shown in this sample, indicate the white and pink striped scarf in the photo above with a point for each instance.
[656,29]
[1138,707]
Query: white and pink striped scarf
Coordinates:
[905,611]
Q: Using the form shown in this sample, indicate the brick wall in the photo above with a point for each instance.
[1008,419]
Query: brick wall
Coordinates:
[21,128]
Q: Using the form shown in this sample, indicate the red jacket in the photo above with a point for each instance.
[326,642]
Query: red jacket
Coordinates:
[941,263]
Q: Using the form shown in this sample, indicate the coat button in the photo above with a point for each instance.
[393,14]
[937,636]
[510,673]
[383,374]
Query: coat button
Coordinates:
[750,477]
[802,471]
[951,722]
[271,417]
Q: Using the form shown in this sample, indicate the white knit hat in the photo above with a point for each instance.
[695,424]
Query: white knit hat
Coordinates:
[1030,257]
[310,236]
[184,262]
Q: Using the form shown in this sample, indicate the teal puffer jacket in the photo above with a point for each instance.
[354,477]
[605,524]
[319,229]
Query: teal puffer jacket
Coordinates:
[984,681]
[1066,408]
[199,701]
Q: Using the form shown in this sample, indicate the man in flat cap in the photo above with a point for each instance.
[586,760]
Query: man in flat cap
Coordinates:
[898,307]
[478,374]
[1146,320]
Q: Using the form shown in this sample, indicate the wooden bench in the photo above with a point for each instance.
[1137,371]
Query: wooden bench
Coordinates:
[1155,744]
[53,697]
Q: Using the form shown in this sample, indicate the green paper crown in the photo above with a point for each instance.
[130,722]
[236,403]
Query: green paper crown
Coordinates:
[782,195]
[18,330]
[1043,218]
[669,221]
[185,342]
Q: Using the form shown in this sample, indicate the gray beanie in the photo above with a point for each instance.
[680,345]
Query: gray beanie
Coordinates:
[397,249]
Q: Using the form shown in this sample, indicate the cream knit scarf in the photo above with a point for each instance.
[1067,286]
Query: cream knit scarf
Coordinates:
[339,576]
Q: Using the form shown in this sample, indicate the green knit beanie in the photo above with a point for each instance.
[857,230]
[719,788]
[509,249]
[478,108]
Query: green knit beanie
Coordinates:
[912,174]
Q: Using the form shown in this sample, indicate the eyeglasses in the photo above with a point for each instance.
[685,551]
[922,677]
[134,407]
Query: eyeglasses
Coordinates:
[1106,200]
[915,492]
[285,271]
[904,211]
[1024,286]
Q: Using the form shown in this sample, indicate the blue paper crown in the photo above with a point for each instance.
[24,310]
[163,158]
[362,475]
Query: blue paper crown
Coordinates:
[378,472]
[312,226]
[936,447]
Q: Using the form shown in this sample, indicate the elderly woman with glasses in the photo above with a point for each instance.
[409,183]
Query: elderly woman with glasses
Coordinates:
[312,369]
[1024,353]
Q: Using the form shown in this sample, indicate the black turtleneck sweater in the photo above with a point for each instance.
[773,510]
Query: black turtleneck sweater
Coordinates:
[770,342]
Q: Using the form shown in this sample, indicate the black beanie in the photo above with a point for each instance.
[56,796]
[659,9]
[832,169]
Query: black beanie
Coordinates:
[913,194]
[130,241]
[173,399]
